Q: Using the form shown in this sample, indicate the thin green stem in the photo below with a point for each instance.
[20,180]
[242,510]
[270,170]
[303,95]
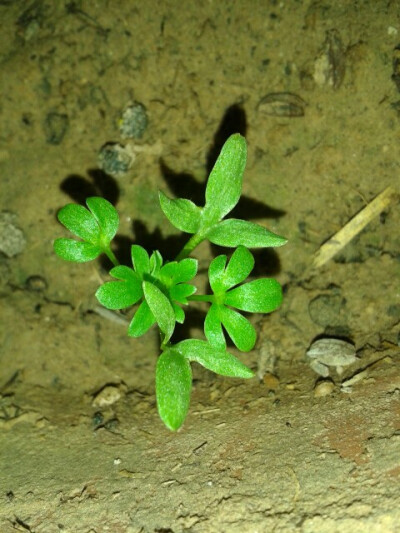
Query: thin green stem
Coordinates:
[201,298]
[194,241]
[109,253]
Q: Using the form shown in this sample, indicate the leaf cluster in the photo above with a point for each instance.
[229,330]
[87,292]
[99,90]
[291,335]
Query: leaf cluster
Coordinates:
[223,191]
[160,289]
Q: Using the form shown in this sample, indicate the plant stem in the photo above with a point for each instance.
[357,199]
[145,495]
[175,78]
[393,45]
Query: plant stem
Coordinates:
[194,241]
[109,253]
[201,298]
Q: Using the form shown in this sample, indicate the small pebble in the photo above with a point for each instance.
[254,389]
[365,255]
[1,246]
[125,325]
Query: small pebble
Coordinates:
[115,159]
[271,381]
[325,309]
[12,239]
[133,122]
[36,283]
[324,387]
[107,396]
[55,127]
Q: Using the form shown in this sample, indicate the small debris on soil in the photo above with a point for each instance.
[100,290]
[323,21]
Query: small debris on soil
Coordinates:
[133,122]
[12,238]
[323,388]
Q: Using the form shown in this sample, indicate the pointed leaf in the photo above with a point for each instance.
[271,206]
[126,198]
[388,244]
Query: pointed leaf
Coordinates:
[213,329]
[219,361]
[161,308]
[173,387]
[239,329]
[140,260]
[234,232]
[78,251]
[142,321]
[224,184]
[239,267]
[79,221]
[106,216]
[259,296]
[156,262]
[182,213]
[120,294]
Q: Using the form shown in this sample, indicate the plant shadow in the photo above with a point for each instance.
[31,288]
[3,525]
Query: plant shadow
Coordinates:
[98,183]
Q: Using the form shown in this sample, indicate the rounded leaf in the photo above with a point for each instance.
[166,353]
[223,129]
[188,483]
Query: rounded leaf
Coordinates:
[218,361]
[77,251]
[212,328]
[182,213]
[224,184]
[142,321]
[140,260]
[239,329]
[216,272]
[79,221]
[161,308]
[156,262]
[105,215]
[120,294]
[233,232]
[259,296]
[179,313]
[178,272]
[173,387]
[186,269]
[239,267]
[180,292]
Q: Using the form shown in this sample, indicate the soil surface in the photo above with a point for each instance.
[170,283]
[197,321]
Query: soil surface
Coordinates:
[314,86]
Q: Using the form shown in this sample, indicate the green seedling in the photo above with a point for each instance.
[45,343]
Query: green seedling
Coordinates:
[160,289]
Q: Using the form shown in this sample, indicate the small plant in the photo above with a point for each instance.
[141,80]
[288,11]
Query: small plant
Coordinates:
[161,288]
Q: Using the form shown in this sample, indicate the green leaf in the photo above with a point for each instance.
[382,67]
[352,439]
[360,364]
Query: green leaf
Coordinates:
[142,321]
[223,277]
[161,308]
[78,251]
[182,213]
[178,272]
[120,294]
[173,387]
[219,361]
[156,262]
[216,272]
[78,220]
[238,328]
[179,313]
[239,267]
[140,260]
[106,216]
[258,296]
[234,232]
[180,293]
[224,184]
[212,328]
[95,227]
[169,273]
[187,269]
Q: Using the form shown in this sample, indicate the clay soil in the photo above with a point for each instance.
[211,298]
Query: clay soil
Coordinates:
[269,454]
